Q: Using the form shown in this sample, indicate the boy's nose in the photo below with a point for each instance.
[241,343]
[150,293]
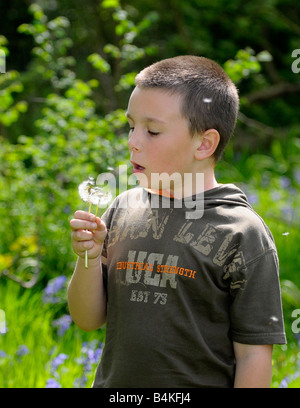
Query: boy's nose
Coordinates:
[133,142]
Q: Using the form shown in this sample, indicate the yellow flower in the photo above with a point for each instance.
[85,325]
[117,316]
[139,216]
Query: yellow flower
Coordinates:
[6,261]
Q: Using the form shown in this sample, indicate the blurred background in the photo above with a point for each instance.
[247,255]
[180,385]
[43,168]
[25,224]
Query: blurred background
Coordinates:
[67,70]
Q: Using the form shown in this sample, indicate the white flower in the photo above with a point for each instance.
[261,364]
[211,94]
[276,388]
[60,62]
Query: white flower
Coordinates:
[84,189]
[99,197]
[93,194]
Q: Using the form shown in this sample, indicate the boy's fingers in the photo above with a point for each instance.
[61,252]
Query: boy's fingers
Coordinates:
[82,235]
[81,247]
[78,224]
[100,224]
[84,215]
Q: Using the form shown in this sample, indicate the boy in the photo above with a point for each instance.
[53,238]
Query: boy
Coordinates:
[189,301]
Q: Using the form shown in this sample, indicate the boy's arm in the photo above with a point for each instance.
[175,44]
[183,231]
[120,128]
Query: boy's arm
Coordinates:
[86,294]
[253,365]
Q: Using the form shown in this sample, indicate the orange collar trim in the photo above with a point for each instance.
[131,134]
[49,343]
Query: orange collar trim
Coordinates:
[160,192]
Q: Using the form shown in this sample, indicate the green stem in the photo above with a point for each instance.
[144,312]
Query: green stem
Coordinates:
[96,211]
[86,262]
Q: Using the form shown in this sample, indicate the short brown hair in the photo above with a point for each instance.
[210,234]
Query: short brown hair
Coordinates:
[210,98]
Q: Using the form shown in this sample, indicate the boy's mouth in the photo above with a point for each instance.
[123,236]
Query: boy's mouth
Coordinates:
[137,168]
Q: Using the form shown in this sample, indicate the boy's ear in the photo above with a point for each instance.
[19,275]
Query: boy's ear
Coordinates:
[208,142]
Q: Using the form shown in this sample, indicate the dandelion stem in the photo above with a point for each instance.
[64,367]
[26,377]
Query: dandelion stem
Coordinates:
[96,213]
[86,262]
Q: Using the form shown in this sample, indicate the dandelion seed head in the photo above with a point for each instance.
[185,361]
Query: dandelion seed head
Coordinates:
[99,197]
[85,187]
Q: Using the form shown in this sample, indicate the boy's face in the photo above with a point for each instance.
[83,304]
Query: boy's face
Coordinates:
[159,137]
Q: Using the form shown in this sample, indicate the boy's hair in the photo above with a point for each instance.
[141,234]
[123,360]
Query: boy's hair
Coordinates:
[209,98]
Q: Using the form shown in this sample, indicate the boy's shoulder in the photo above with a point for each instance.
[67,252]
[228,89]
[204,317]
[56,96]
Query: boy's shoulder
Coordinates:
[232,212]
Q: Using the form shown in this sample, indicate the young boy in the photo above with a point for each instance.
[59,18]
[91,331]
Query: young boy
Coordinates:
[189,300]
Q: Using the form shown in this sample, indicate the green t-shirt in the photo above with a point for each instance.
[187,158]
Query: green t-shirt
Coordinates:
[181,289]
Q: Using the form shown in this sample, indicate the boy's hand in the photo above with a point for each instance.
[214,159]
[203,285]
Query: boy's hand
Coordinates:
[88,233]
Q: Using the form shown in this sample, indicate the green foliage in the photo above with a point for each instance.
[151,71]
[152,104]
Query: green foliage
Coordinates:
[10,110]
[245,64]
[51,46]
[62,120]
[39,175]
[42,347]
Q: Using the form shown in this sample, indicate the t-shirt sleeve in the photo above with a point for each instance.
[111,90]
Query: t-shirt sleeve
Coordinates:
[256,309]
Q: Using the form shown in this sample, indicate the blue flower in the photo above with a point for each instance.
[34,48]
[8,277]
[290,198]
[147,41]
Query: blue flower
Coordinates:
[80,382]
[57,362]
[297,175]
[22,350]
[63,324]
[52,383]
[253,198]
[53,288]
[276,195]
[90,355]
[284,383]
[91,351]
[284,182]
[288,213]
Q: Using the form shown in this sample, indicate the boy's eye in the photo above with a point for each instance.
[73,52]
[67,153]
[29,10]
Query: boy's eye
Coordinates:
[153,133]
[131,129]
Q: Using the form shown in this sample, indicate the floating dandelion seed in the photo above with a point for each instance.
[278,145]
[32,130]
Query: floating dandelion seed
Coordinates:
[92,194]
[207,101]
[273,319]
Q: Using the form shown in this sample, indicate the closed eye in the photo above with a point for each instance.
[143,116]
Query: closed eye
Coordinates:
[131,129]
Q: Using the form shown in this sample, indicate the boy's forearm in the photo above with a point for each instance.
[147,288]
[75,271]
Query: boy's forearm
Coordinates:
[253,366]
[86,295]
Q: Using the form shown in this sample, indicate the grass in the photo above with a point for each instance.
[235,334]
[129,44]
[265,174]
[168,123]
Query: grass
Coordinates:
[35,353]
[32,352]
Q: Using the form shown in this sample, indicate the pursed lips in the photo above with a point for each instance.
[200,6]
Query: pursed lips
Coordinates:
[137,167]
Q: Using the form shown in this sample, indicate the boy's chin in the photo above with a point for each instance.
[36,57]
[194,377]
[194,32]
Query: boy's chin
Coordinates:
[142,180]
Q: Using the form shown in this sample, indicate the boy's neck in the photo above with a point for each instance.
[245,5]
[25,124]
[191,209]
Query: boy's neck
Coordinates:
[200,182]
